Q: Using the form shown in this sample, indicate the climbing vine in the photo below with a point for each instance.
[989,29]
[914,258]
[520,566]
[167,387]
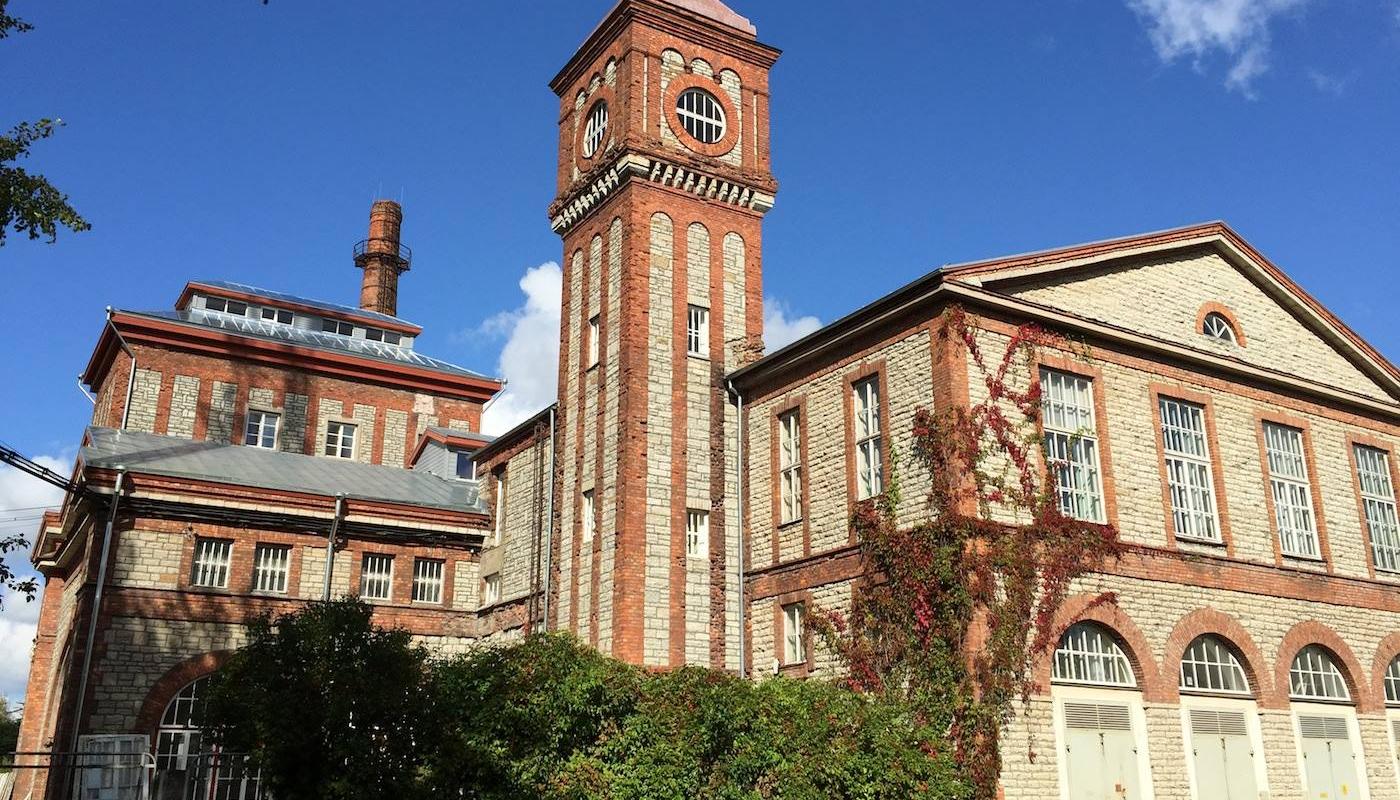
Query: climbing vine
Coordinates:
[952,613]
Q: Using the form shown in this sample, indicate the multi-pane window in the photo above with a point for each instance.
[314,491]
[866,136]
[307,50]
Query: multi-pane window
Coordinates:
[261,430]
[376,576]
[1392,682]
[1378,501]
[277,315]
[594,329]
[697,533]
[595,128]
[1088,654]
[500,521]
[210,565]
[588,520]
[340,439]
[1314,676]
[427,580]
[270,566]
[794,638]
[336,326]
[1216,326]
[466,466]
[701,115]
[1288,482]
[697,331]
[491,589]
[234,307]
[870,476]
[790,466]
[1189,479]
[1071,443]
[1208,665]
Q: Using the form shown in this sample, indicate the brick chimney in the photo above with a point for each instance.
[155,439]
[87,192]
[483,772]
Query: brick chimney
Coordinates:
[383,258]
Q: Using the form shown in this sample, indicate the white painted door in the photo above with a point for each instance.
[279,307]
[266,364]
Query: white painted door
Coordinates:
[1101,754]
[112,767]
[1223,755]
[1329,760]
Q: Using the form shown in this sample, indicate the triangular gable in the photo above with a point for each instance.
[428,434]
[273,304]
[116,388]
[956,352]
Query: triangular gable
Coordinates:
[1161,284]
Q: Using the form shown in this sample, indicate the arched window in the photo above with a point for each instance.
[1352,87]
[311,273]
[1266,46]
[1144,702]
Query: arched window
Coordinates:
[701,115]
[186,764]
[1216,326]
[1314,676]
[595,128]
[1088,654]
[179,736]
[1209,665]
[1392,682]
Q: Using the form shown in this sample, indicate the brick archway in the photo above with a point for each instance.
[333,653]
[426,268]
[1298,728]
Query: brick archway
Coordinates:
[1314,632]
[1386,651]
[170,684]
[1204,621]
[1098,608]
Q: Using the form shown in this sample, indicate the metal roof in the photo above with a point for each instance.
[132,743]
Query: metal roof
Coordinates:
[274,331]
[461,434]
[284,297]
[270,469]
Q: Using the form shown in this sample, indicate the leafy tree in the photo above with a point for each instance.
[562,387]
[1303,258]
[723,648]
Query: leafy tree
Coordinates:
[29,204]
[330,706]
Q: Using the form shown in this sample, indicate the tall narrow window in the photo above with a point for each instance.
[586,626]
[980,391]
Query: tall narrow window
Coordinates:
[794,639]
[595,128]
[870,477]
[261,429]
[1288,482]
[340,439]
[593,330]
[376,576]
[1072,443]
[697,534]
[270,564]
[1378,501]
[697,331]
[790,466]
[500,521]
[427,580]
[210,565]
[587,521]
[1187,456]
[491,589]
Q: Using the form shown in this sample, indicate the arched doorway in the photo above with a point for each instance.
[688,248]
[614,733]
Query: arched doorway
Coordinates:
[187,766]
[1325,724]
[1220,722]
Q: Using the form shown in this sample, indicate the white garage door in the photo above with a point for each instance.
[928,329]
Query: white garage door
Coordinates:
[1223,755]
[1101,752]
[1329,760]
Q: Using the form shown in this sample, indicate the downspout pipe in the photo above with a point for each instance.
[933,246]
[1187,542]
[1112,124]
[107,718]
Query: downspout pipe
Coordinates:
[739,509]
[549,517]
[330,543]
[96,605]
[131,376]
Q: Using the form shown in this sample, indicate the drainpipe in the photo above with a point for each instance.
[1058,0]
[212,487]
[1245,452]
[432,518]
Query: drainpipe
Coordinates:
[330,542]
[739,509]
[91,398]
[549,519]
[131,377]
[96,605]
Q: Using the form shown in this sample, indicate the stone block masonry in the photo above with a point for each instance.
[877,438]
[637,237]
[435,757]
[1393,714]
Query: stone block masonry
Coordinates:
[184,407]
[145,396]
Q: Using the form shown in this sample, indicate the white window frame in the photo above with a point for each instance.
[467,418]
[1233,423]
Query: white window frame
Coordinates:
[272,565]
[1209,654]
[428,580]
[209,568]
[595,128]
[380,578]
[491,589]
[258,434]
[594,330]
[790,507]
[587,522]
[1373,480]
[697,331]
[1085,648]
[1291,487]
[1217,326]
[1391,682]
[1190,473]
[697,533]
[499,529]
[280,316]
[1071,443]
[795,633]
[1301,708]
[867,437]
[337,434]
[458,457]
[701,115]
[1310,666]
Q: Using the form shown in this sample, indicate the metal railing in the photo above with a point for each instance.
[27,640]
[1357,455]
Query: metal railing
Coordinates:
[129,776]
[384,247]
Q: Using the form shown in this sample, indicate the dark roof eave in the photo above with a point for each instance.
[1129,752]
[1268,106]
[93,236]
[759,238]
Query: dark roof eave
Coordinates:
[514,434]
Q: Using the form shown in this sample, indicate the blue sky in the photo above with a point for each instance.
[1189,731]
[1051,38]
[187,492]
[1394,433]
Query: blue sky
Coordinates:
[245,141]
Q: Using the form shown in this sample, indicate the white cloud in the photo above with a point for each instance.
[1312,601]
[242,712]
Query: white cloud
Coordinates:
[779,329]
[530,358]
[1330,84]
[1238,29]
[22,497]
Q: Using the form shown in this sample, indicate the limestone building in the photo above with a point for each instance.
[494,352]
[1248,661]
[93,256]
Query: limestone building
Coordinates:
[686,500]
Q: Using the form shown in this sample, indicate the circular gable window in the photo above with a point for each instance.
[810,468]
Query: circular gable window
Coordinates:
[701,115]
[595,128]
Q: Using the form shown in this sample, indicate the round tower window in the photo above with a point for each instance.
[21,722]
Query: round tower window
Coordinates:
[701,115]
[595,128]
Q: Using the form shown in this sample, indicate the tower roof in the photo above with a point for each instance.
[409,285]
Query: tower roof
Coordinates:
[717,11]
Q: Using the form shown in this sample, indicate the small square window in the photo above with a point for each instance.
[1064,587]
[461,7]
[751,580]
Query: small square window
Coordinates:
[392,338]
[697,534]
[215,304]
[491,589]
[210,565]
[697,331]
[794,638]
[427,580]
[237,309]
[335,326]
[270,566]
[277,315]
[340,439]
[376,576]
[466,466]
[261,429]
[374,334]
[592,343]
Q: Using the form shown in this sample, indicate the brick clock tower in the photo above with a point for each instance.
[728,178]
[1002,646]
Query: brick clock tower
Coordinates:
[664,179]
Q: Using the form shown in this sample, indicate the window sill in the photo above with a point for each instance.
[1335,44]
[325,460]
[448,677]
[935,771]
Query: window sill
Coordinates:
[801,669]
[792,523]
[1200,540]
[1304,559]
[697,356]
